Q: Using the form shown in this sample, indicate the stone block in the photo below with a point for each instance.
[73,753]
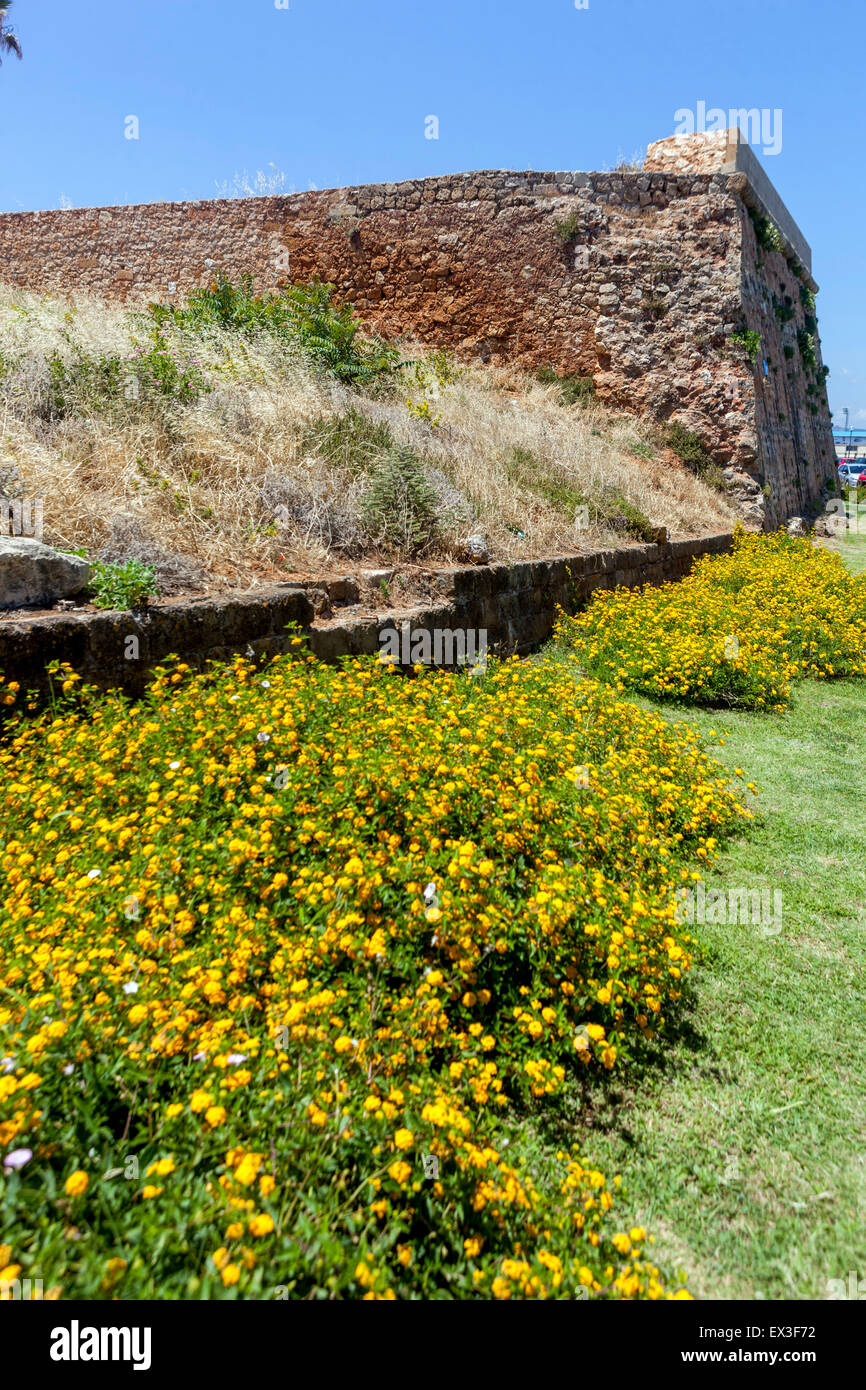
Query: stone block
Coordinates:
[36,575]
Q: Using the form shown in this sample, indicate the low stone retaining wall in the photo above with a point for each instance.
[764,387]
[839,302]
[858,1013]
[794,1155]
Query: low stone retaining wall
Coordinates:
[515,603]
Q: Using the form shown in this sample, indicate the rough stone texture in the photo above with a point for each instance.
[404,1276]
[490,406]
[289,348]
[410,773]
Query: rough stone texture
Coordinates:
[33,574]
[516,605]
[702,153]
[662,269]
[728,152]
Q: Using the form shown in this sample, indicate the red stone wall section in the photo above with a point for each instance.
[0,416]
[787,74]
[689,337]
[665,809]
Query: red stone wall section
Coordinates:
[643,295]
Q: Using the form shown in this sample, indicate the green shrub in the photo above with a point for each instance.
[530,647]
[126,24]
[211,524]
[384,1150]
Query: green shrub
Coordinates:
[806,344]
[399,507]
[121,585]
[303,315]
[573,389]
[690,448]
[626,516]
[714,476]
[750,340]
[568,228]
[653,307]
[87,381]
[153,371]
[766,232]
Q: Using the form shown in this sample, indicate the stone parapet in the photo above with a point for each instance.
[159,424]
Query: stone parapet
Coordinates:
[516,605]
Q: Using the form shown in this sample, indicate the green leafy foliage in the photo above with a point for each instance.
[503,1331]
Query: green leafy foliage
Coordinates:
[121,585]
[156,370]
[690,448]
[766,232]
[349,440]
[750,340]
[568,228]
[806,344]
[303,314]
[544,479]
[653,307]
[621,514]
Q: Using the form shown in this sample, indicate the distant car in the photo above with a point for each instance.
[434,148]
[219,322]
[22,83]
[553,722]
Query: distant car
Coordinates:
[853,474]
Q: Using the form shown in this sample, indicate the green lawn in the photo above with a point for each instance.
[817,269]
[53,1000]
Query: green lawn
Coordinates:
[853,547]
[743,1144]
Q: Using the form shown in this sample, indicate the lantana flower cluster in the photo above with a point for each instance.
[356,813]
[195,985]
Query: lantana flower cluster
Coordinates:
[737,631]
[289,958]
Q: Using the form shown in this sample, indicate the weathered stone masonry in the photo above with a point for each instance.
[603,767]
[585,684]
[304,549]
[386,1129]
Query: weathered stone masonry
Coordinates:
[515,604]
[662,268]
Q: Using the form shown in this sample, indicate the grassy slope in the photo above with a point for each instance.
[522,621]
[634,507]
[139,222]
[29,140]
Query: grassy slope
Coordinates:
[204,480]
[743,1147]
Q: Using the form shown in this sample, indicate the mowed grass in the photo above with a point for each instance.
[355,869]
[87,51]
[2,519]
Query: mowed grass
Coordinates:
[853,547]
[743,1144]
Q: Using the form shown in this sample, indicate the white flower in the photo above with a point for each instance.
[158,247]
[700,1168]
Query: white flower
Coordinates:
[16,1158]
[263,737]
[266,684]
[199,1056]
[93,873]
[131,987]
[235,1058]
[430,892]
[68,1069]
[175,765]
[7,1064]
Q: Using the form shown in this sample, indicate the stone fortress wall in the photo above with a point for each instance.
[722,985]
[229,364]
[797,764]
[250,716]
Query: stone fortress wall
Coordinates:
[638,279]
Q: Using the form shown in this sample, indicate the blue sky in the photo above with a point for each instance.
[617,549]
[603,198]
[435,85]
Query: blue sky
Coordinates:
[337,92]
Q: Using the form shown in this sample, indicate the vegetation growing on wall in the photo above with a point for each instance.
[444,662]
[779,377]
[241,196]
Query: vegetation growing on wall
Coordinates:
[750,340]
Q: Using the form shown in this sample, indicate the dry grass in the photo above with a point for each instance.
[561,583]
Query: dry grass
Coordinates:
[248,483]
